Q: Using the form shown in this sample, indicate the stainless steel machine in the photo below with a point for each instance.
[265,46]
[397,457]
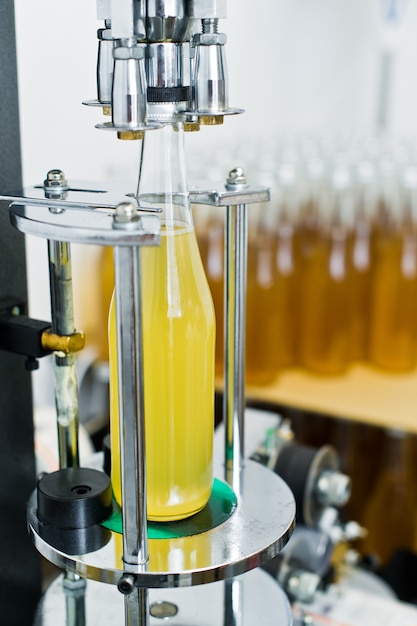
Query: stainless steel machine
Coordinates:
[159,62]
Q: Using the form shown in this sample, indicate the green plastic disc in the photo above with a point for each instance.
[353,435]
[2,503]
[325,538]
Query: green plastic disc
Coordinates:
[219,508]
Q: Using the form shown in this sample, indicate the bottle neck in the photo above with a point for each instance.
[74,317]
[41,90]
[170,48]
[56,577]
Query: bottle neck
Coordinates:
[162,176]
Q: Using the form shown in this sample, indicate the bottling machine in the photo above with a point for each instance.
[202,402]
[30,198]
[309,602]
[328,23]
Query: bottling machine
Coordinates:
[160,63]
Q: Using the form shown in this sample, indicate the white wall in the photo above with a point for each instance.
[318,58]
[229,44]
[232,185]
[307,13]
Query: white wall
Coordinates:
[294,65]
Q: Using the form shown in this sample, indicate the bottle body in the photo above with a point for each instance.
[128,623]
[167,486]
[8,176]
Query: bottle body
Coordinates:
[323,340]
[178,349]
[325,279]
[210,236]
[359,262]
[178,346]
[271,297]
[393,332]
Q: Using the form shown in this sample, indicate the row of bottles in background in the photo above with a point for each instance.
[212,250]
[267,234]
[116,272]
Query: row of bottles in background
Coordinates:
[332,262]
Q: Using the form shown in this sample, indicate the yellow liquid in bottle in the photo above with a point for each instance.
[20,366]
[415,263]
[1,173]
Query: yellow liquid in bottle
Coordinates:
[323,339]
[393,327]
[271,301]
[211,244]
[261,349]
[360,284]
[106,291]
[178,351]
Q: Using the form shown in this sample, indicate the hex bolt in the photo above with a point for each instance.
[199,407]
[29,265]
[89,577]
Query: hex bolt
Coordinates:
[126,584]
[236,177]
[74,585]
[333,488]
[56,178]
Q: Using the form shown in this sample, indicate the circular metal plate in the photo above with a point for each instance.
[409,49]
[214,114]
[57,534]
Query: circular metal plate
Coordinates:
[259,601]
[258,529]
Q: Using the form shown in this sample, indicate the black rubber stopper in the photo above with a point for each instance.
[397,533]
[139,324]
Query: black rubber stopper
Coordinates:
[74,498]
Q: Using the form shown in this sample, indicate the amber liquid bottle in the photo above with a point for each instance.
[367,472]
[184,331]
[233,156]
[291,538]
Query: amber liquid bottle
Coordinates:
[272,282]
[261,328]
[393,327]
[324,284]
[360,262]
[287,264]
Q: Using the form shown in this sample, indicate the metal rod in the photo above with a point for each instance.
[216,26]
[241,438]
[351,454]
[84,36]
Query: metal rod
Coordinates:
[74,590]
[233,602]
[137,608]
[131,409]
[234,356]
[65,375]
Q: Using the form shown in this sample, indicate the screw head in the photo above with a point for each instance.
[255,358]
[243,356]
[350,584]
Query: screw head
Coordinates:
[125,215]
[56,178]
[236,176]
[126,584]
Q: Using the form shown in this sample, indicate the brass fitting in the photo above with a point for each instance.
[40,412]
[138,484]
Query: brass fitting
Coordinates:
[211,120]
[67,344]
[130,135]
[191,127]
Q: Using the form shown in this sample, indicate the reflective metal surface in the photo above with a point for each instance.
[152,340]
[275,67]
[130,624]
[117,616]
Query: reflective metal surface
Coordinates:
[258,529]
[262,603]
[82,226]
[98,195]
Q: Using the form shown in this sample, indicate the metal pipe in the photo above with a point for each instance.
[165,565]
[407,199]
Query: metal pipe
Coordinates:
[233,602]
[235,318]
[131,410]
[65,375]
[74,590]
[131,414]
[137,608]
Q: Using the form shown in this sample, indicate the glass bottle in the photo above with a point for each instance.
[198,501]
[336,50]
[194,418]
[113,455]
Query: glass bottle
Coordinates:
[178,343]
[323,310]
[272,286]
[393,328]
[261,338]
[210,235]
[287,263]
[360,262]
[106,269]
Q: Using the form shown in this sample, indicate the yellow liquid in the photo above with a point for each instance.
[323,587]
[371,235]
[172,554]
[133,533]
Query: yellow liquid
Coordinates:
[211,244]
[324,298]
[271,301]
[178,351]
[393,327]
[359,261]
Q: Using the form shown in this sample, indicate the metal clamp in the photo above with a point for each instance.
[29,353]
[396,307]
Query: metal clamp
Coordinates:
[66,344]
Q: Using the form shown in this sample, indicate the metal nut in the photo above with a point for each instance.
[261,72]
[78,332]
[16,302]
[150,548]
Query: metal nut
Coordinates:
[210,39]
[125,53]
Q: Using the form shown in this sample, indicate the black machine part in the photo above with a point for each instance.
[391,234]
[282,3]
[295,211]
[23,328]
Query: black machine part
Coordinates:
[301,468]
